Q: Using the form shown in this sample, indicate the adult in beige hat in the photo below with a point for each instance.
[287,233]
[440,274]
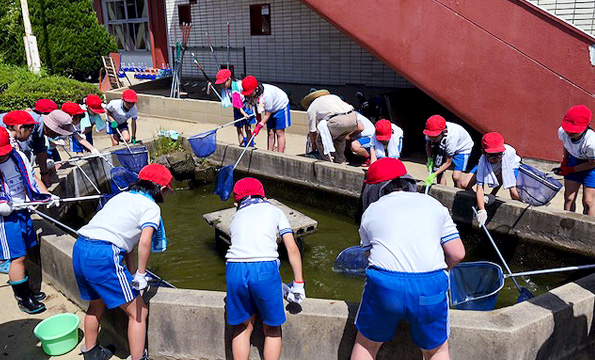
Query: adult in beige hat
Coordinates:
[331,120]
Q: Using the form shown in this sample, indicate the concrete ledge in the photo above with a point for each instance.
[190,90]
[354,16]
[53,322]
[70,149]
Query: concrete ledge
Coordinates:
[197,111]
[543,225]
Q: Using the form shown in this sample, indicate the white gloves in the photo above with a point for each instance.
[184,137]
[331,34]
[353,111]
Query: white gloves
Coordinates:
[140,281]
[482,217]
[298,292]
[5,209]
[55,202]
[95,152]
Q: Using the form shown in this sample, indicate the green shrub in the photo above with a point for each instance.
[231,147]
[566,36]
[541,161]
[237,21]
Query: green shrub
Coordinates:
[19,88]
[70,39]
[165,145]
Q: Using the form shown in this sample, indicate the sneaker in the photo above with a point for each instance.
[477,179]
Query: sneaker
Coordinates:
[366,163]
[4,267]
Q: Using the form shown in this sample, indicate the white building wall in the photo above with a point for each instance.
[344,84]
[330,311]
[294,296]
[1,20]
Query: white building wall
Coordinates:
[580,13]
[302,48]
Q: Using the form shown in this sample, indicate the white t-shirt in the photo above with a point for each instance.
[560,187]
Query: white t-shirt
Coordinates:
[369,128]
[394,144]
[13,181]
[254,232]
[116,109]
[457,141]
[584,148]
[512,161]
[324,106]
[273,98]
[122,220]
[406,231]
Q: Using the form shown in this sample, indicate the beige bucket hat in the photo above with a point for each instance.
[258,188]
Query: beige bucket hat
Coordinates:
[307,100]
[59,122]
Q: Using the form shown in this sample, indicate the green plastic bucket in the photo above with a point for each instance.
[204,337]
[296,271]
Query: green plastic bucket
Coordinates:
[58,334]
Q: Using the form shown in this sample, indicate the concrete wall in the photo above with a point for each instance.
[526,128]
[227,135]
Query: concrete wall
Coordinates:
[302,47]
[198,111]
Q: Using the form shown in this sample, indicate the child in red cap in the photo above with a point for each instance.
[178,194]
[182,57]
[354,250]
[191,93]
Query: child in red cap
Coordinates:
[272,105]
[232,96]
[77,142]
[387,141]
[578,164]
[118,113]
[129,218]
[17,235]
[446,144]
[252,275]
[498,167]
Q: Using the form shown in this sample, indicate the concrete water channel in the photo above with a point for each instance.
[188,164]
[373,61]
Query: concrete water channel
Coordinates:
[186,323]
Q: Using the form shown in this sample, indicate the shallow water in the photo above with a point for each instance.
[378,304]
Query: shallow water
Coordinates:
[194,260]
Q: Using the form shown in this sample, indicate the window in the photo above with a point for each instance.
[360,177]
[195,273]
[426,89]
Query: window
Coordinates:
[260,19]
[184,16]
[128,22]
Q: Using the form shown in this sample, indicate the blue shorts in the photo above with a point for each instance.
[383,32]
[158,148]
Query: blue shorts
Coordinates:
[460,161]
[280,119]
[100,273]
[365,141]
[237,114]
[16,235]
[75,145]
[121,127]
[254,287]
[54,154]
[390,297]
[587,178]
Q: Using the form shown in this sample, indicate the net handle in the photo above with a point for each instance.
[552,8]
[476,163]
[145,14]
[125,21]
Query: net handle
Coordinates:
[243,152]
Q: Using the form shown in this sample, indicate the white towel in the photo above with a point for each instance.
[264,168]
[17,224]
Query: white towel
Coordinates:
[486,175]
[394,144]
[325,137]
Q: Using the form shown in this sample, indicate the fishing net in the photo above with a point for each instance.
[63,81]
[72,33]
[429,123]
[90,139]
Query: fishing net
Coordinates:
[133,159]
[535,187]
[121,178]
[352,261]
[224,182]
[204,144]
[475,285]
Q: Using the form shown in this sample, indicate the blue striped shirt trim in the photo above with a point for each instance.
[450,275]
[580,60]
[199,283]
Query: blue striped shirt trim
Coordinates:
[285,231]
[147,224]
[449,237]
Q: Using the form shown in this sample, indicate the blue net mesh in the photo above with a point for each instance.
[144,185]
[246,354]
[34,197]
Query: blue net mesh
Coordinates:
[134,159]
[475,285]
[121,178]
[204,144]
[352,260]
[535,187]
[224,182]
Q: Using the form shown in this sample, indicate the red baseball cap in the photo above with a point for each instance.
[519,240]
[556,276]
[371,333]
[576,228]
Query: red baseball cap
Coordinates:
[384,130]
[18,117]
[156,173]
[93,102]
[576,119]
[385,169]
[129,96]
[45,106]
[435,125]
[493,143]
[249,84]
[222,76]
[5,147]
[247,187]
[72,109]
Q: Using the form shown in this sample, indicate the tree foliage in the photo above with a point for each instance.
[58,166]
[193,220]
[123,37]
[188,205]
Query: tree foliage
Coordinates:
[70,39]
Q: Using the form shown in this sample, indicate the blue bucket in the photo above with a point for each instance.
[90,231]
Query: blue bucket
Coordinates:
[475,285]
[204,144]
